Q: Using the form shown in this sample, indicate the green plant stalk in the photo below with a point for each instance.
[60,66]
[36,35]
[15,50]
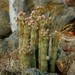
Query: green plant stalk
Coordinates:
[50,46]
[23,41]
[33,45]
[26,45]
[54,52]
[43,44]
[20,21]
[20,29]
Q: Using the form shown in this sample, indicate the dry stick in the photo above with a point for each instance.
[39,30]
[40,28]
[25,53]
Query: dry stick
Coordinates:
[67,28]
[53,22]
[60,21]
[69,16]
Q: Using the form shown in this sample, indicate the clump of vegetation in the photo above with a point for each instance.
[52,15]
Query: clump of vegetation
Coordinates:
[34,31]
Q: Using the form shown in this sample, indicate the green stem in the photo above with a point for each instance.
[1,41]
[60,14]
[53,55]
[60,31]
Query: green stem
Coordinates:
[33,45]
[43,44]
[26,45]
[54,52]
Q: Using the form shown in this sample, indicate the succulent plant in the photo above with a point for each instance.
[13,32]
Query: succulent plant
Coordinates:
[43,47]
[43,43]
[26,43]
[20,21]
[54,52]
[34,43]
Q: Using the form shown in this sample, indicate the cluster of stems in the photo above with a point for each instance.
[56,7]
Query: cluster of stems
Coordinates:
[34,42]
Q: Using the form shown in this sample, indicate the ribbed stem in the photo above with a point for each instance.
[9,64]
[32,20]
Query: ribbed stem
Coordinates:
[43,44]
[21,34]
[26,44]
[33,45]
[54,52]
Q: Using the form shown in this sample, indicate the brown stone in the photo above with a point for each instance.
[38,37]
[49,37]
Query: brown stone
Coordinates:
[70,2]
[71,70]
[4,4]
[63,63]
[5,28]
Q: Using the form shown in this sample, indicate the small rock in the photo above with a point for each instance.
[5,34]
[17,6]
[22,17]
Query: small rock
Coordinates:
[9,44]
[71,70]
[33,71]
[60,53]
[7,50]
[6,72]
[63,63]
[4,4]
[5,28]
[70,2]
[67,43]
